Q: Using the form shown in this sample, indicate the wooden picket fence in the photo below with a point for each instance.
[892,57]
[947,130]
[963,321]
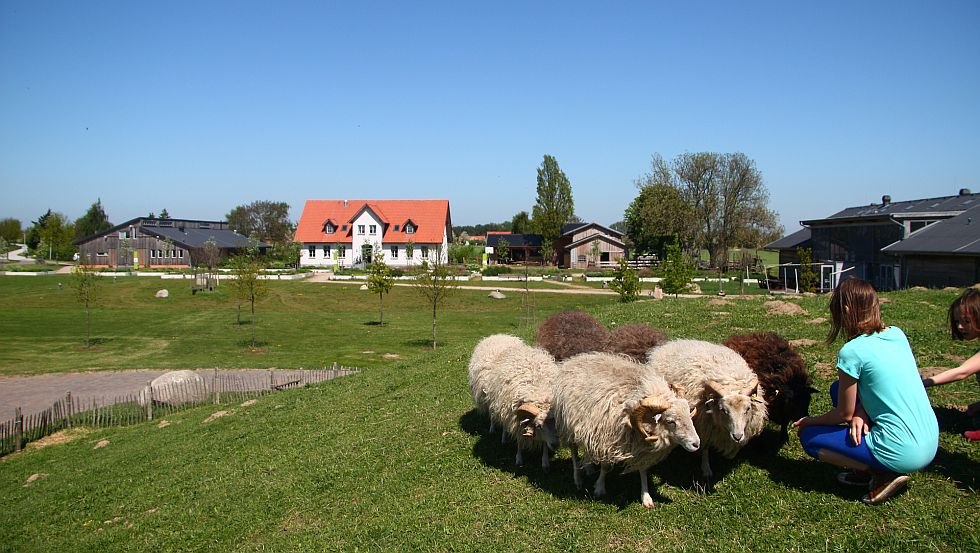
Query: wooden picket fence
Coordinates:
[219,386]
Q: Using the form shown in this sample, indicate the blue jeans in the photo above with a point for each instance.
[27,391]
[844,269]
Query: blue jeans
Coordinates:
[836,439]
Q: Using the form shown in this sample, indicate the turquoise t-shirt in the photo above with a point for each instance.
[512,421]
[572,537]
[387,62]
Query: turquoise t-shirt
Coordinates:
[904,432]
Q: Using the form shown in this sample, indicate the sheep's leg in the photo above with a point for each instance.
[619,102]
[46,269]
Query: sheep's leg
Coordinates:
[492,426]
[503,436]
[645,490]
[705,466]
[519,460]
[784,432]
[545,458]
[600,483]
[576,467]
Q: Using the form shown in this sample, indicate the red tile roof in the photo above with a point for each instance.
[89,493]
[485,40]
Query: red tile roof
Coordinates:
[430,217]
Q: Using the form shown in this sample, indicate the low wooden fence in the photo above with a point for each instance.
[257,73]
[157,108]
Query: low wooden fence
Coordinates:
[144,405]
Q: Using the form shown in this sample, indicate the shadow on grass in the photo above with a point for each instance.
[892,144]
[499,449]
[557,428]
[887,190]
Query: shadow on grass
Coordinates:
[375,323]
[622,490]
[420,343]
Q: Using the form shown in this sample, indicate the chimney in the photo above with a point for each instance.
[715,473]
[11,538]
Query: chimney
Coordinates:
[886,199]
[965,192]
[345,203]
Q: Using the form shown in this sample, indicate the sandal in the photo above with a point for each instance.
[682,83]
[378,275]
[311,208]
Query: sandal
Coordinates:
[885,485]
[972,435]
[860,479]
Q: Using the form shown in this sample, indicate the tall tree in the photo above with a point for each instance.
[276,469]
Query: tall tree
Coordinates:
[654,217]
[10,229]
[521,223]
[380,280]
[554,205]
[164,214]
[51,236]
[435,285]
[92,222]
[269,221]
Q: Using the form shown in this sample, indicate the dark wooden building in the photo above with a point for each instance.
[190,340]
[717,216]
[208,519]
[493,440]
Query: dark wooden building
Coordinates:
[147,242]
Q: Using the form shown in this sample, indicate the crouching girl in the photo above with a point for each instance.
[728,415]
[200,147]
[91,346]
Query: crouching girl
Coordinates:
[882,426]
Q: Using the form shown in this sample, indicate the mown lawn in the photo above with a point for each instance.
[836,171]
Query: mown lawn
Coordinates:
[394,458]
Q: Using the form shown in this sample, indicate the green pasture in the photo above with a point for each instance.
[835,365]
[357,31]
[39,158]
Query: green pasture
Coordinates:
[395,459]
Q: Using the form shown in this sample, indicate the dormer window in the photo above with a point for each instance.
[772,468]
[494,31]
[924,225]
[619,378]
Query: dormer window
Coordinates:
[343,228]
[409,228]
[329,228]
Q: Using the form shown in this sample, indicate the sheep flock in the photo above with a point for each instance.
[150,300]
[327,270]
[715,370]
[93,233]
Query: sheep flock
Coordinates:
[626,398]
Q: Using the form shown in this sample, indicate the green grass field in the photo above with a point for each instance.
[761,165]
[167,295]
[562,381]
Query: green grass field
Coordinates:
[395,458]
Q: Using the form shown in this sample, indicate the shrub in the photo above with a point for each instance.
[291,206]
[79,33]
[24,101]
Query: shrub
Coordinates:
[494,270]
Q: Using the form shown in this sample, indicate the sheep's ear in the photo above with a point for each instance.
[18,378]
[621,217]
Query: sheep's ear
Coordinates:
[713,389]
[752,389]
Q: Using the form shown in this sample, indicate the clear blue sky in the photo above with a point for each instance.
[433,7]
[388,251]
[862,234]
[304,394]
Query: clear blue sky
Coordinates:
[201,106]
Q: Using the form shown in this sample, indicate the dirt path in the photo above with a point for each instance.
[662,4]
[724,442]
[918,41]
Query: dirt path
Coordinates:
[38,392]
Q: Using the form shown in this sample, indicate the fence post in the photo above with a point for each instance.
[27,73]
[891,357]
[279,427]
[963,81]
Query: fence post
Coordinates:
[68,408]
[272,380]
[18,429]
[214,386]
[148,394]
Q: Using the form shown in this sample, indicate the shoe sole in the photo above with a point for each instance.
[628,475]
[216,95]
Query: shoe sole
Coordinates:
[894,487]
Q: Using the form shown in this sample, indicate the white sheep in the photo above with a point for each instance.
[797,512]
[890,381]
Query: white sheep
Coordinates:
[723,389]
[512,381]
[619,412]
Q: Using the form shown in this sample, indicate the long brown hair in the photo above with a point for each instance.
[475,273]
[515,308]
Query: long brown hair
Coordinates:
[854,309]
[965,309]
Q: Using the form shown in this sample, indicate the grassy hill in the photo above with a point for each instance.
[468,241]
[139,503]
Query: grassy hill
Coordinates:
[394,458]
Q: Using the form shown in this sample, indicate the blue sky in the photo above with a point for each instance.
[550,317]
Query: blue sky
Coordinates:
[201,106]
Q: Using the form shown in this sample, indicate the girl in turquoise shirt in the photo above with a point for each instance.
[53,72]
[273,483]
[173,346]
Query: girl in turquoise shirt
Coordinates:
[892,430]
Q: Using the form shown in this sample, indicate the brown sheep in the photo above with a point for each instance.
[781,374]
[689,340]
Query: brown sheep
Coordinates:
[785,382]
[569,333]
[634,340]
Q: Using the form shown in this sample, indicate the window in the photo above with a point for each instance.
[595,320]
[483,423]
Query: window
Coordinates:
[311,251]
[344,228]
[329,228]
[425,252]
[581,259]
[180,253]
[326,251]
[410,229]
[394,252]
[123,234]
[373,229]
[396,228]
[341,251]
[101,254]
[204,225]
[360,229]
[166,223]
[150,254]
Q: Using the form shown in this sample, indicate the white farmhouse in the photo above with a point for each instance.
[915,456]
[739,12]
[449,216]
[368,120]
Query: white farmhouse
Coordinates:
[346,233]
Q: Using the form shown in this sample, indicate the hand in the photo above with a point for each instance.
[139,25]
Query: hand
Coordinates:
[801,423]
[859,427]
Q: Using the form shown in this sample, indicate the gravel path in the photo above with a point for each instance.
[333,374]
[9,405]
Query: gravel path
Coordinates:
[36,393]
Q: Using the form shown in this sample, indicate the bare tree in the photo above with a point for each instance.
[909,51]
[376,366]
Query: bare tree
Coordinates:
[435,285]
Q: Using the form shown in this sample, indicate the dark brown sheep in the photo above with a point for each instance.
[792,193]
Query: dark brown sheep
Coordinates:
[569,333]
[785,382]
[634,340]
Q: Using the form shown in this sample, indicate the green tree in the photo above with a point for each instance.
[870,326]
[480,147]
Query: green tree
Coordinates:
[595,251]
[808,277]
[380,280]
[286,253]
[625,282]
[269,221]
[657,214]
[435,285]
[502,250]
[547,251]
[248,287]
[164,214]
[410,252]
[677,271]
[10,229]
[521,223]
[85,283]
[52,235]
[92,222]
[554,205]
[4,249]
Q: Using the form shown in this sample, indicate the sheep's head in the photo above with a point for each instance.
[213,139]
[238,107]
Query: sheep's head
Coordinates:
[654,418]
[790,403]
[733,410]
[537,423]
